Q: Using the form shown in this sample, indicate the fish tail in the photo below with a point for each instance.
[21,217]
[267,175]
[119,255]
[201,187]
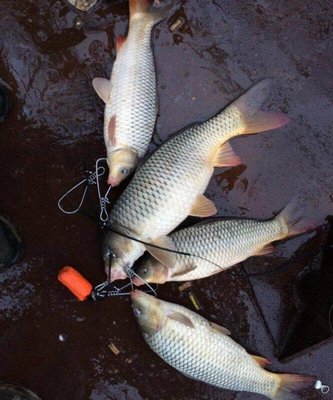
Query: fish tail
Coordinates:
[254,119]
[150,11]
[290,383]
[292,216]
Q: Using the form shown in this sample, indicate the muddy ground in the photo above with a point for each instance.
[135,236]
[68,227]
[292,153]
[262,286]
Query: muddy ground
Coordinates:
[49,54]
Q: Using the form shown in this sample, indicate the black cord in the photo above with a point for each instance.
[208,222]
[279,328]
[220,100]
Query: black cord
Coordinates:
[109,228]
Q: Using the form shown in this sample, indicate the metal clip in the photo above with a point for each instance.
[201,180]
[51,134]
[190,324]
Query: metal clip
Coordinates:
[92,179]
[103,201]
[130,273]
[107,289]
[323,388]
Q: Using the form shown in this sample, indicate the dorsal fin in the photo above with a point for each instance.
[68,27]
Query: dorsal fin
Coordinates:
[219,329]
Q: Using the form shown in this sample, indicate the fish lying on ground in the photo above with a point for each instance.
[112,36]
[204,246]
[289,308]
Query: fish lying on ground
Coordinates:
[204,351]
[221,244]
[130,95]
[169,186]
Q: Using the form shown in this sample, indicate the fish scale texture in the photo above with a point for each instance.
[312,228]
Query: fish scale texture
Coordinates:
[163,191]
[225,243]
[209,356]
[133,91]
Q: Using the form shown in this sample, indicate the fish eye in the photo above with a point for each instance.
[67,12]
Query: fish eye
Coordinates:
[137,312]
[125,171]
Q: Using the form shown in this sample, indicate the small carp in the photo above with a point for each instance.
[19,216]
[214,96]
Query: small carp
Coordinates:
[204,351]
[217,246]
[130,95]
[170,184]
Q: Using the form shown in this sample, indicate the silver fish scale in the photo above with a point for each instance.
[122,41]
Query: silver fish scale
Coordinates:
[133,91]
[211,357]
[225,243]
[164,189]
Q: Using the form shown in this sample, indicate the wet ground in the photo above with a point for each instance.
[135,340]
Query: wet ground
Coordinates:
[49,54]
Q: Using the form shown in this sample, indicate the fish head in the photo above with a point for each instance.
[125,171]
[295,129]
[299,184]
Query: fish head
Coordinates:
[119,255]
[148,310]
[122,163]
[151,271]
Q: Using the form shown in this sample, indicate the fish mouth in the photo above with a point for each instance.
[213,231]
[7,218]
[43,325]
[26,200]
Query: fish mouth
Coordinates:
[113,182]
[115,274]
[137,281]
[136,294]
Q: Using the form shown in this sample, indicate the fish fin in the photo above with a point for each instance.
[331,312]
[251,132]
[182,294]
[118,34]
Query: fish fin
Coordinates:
[225,157]
[219,329]
[119,43]
[122,230]
[293,217]
[150,11]
[264,251]
[179,317]
[112,130]
[165,257]
[185,270]
[255,120]
[292,383]
[262,361]
[102,87]
[203,207]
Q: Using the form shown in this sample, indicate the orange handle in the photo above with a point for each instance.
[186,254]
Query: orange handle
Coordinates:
[75,282]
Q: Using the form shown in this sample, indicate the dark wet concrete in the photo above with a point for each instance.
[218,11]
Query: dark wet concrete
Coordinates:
[49,54]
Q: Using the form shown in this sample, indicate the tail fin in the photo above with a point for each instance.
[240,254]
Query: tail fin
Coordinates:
[254,119]
[292,383]
[152,11]
[293,217]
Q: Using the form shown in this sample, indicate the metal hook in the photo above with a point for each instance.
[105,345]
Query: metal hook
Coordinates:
[323,388]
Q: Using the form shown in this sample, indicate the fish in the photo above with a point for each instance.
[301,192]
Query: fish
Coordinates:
[130,95]
[169,186]
[204,351]
[214,246]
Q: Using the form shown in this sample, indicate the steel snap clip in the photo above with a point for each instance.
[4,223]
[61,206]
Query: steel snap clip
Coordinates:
[323,388]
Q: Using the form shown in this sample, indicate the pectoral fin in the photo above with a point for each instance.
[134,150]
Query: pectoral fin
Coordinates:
[263,362]
[166,257]
[120,41]
[181,318]
[102,87]
[183,271]
[112,130]
[225,157]
[219,329]
[203,207]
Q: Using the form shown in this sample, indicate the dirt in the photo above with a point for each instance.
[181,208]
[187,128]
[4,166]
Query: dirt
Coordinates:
[49,54]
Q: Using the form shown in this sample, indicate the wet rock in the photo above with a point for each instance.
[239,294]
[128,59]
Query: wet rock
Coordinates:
[82,5]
